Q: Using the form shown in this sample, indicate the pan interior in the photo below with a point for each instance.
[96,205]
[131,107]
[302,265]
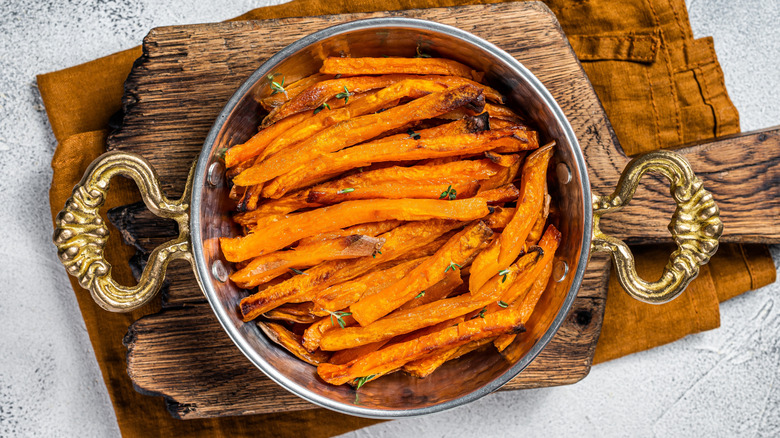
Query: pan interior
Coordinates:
[458,381]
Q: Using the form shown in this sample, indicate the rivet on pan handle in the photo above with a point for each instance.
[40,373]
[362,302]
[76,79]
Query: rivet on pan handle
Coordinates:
[695,227]
[81,235]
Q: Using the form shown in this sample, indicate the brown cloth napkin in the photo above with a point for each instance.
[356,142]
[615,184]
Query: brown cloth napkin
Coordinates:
[660,87]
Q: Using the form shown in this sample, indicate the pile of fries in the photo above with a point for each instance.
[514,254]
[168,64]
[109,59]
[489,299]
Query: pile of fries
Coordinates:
[392,218]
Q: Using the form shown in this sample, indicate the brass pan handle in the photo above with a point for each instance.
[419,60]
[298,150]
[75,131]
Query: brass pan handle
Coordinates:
[81,235]
[695,227]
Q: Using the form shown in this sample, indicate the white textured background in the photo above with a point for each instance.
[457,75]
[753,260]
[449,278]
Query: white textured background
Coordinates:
[720,383]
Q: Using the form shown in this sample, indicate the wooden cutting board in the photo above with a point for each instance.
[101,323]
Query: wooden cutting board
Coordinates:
[187,73]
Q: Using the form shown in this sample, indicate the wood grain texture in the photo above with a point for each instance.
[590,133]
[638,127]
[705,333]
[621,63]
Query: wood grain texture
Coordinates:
[742,172]
[172,97]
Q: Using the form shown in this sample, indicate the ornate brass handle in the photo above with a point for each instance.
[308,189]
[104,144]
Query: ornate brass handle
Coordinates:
[695,227]
[81,235]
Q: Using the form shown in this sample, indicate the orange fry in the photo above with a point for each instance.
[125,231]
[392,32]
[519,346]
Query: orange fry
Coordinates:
[297,313]
[456,253]
[292,343]
[355,107]
[526,305]
[506,248]
[401,241]
[386,66]
[341,295]
[425,366]
[395,356]
[402,322]
[383,150]
[284,232]
[372,229]
[356,130]
[290,91]
[272,265]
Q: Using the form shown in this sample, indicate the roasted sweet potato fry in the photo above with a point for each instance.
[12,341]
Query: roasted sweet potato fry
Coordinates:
[292,343]
[383,150]
[425,366]
[372,229]
[403,322]
[457,252]
[404,180]
[314,95]
[387,66]
[464,189]
[506,248]
[342,295]
[500,195]
[502,160]
[384,98]
[437,292]
[344,356]
[314,333]
[298,313]
[499,218]
[275,207]
[526,305]
[401,241]
[525,280]
[255,145]
[277,98]
[284,232]
[269,266]
[356,130]
[395,356]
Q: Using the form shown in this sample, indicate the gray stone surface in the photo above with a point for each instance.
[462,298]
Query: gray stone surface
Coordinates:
[720,383]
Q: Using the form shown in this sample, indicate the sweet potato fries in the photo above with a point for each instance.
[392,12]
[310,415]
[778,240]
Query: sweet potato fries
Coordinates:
[395,216]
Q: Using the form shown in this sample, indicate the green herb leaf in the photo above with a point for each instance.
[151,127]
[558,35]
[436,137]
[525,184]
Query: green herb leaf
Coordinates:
[503,273]
[345,95]
[221,153]
[420,295]
[362,381]
[452,266]
[503,304]
[482,313]
[339,318]
[413,135]
[376,252]
[298,271]
[277,87]
[322,107]
[347,190]
[338,76]
[450,193]
[420,54]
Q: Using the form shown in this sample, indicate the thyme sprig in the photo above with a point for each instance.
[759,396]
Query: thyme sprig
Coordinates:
[503,304]
[359,382]
[345,95]
[413,135]
[322,107]
[298,271]
[421,54]
[347,190]
[276,87]
[452,266]
[503,273]
[375,253]
[339,316]
[420,295]
[450,193]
